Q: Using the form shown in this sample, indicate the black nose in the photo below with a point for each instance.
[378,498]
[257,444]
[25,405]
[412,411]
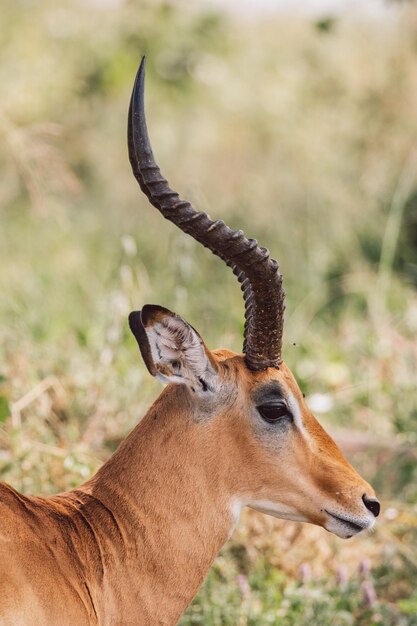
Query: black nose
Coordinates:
[372,505]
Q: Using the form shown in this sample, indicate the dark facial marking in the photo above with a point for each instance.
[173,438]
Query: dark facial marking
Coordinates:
[204,385]
[268,393]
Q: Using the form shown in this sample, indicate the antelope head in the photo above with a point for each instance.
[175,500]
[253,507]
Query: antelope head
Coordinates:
[279,459]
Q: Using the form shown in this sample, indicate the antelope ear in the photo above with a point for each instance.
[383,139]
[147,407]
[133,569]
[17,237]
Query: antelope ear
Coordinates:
[172,350]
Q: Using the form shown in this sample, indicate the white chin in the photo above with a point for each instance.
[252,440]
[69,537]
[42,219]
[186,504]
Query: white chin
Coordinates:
[344,530]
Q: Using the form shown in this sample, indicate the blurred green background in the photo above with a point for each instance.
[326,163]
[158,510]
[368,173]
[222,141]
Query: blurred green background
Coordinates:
[302,130]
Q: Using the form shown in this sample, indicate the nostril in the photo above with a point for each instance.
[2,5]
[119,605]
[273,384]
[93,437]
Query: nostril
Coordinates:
[372,505]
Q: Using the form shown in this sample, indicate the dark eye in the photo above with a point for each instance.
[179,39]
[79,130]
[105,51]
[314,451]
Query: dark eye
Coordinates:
[274,412]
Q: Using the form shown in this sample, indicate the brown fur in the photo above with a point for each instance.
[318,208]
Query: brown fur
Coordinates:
[133,544]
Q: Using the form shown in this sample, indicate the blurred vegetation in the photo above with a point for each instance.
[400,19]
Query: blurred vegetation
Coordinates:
[301,131]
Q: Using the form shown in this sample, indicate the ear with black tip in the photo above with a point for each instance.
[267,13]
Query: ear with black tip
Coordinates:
[172,350]
[136,326]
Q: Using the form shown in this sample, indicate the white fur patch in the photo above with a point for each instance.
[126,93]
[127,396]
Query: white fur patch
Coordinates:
[295,410]
[180,353]
[235,509]
[277,509]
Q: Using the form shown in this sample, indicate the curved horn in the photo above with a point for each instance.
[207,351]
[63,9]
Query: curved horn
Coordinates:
[257,273]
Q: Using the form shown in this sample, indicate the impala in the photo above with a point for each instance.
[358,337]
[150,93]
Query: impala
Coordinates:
[133,544]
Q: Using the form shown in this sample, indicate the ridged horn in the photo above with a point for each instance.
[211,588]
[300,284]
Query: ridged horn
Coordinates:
[258,274]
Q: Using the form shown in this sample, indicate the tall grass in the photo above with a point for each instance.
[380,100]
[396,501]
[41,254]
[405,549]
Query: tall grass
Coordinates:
[301,132]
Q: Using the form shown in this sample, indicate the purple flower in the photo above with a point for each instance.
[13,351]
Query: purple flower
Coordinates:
[242,583]
[341,576]
[368,593]
[304,572]
[364,568]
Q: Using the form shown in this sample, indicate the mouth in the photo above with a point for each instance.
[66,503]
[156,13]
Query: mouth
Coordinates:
[344,527]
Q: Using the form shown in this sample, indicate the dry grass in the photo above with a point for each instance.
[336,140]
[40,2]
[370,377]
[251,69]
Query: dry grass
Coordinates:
[306,137]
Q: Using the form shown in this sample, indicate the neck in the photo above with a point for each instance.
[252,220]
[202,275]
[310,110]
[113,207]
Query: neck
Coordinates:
[170,506]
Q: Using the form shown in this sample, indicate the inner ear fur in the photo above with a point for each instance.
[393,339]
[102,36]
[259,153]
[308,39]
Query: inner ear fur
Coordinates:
[172,349]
